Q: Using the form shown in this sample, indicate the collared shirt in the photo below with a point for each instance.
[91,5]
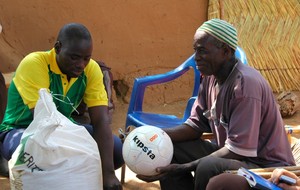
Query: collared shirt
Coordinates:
[40,70]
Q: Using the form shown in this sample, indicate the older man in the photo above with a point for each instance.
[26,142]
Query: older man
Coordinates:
[235,103]
[70,74]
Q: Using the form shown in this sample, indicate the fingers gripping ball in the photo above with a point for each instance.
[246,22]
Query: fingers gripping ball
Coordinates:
[146,148]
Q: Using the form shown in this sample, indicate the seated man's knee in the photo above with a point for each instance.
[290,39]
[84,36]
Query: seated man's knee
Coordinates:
[10,142]
[207,168]
[227,181]
[208,165]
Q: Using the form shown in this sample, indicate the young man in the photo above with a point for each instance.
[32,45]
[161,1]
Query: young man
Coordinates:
[237,105]
[71,76]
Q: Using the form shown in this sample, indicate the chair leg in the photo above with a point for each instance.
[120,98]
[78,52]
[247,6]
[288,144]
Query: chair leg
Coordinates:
[3,167]
[122,136]
[123,170]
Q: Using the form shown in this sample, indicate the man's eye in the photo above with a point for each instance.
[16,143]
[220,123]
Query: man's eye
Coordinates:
[87,58]
[199,50]
[74,57]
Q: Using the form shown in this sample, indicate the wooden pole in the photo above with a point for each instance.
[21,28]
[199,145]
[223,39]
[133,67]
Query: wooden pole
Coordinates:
[221,5]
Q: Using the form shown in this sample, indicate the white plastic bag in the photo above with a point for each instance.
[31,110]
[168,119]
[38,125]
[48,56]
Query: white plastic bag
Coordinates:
[55,153]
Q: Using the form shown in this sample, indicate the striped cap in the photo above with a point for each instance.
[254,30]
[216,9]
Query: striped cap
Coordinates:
[221,30]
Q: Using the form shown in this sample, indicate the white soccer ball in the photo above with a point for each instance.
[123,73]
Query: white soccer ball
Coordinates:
[146,148]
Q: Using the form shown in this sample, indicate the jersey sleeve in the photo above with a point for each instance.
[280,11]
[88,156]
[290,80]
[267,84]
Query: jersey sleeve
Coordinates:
[31,75]
[95,94]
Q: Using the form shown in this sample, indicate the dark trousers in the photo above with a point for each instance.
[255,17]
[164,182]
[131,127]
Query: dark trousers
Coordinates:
[208,166]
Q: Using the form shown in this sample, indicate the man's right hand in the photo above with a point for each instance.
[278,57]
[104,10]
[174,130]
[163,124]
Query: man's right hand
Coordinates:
[111,183]
[168,170]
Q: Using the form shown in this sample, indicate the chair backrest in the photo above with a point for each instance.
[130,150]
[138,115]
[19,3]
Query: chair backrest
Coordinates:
[239,53]
[137,95]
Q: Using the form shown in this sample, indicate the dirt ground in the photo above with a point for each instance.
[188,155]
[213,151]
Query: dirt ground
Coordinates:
[131,182]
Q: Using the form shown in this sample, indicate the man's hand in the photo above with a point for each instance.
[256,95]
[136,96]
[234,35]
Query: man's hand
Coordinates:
[280,171]
[104,138]
[111,183]
[168,170]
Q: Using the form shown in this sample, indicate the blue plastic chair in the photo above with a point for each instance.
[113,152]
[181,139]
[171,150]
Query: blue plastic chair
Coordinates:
[135,115]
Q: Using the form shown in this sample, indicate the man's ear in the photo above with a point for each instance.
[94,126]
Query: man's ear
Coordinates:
[228,51]
[57,47]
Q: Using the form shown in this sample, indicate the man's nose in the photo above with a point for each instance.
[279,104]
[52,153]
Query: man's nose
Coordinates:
[197,56]
[81,64]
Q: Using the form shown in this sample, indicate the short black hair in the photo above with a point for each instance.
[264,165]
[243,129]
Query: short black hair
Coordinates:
[73,31]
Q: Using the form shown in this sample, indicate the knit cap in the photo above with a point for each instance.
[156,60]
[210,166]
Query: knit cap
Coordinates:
[221,30]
